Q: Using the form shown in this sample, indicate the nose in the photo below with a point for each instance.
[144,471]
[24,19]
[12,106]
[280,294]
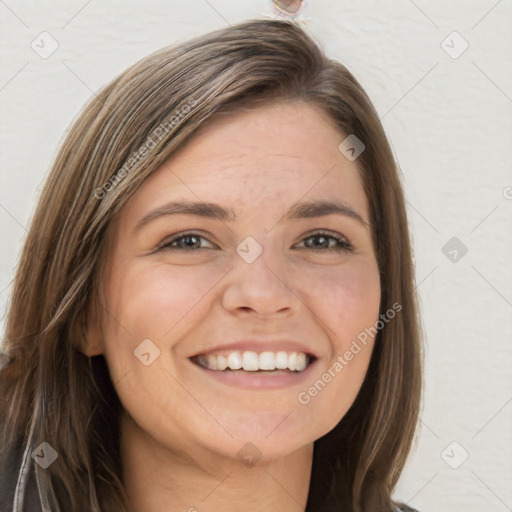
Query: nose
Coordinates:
[261,286]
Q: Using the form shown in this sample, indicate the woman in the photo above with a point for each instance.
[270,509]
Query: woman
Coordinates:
[215,303]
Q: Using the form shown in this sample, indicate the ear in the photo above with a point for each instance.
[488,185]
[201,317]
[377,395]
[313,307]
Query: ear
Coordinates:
[87,333]
[93,343]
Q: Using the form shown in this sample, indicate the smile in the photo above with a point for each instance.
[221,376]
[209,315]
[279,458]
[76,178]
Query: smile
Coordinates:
[250,361]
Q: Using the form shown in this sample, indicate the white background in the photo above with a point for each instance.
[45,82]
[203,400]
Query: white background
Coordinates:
[450,123]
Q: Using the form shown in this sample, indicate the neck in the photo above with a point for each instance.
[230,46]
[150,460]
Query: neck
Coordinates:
[159,479]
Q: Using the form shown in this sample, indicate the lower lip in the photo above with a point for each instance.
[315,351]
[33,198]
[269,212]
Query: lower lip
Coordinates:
[259,380]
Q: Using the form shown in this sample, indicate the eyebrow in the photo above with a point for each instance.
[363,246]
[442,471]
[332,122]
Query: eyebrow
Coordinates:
[302,210]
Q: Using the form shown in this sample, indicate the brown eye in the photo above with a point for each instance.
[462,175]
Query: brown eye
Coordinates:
[184,242]
[326,242]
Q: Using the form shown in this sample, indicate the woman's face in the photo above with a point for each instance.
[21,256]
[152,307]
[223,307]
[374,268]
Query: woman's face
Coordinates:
[253,274]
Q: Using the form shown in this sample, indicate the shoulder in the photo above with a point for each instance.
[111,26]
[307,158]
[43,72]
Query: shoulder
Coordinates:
[8,473]
[10,464]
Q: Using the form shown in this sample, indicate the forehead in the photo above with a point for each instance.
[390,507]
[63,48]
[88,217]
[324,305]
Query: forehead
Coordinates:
[271,155]
[291,130]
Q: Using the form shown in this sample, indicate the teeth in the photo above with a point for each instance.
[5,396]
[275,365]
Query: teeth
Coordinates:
[222,363]
[292,361]
[234,361]
[281,360]
[301,362]
[252,361]
[212,362]
[266,361]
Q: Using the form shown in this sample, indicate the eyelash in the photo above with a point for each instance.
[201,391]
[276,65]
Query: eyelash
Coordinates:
[344,245]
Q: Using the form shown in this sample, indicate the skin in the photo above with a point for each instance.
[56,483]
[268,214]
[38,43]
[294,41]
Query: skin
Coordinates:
[183,429]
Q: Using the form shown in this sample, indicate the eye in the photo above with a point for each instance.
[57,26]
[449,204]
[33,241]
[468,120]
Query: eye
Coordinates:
[327,242]
[184,242]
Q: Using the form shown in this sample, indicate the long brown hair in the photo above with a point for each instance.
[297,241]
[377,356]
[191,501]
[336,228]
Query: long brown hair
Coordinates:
[55,393]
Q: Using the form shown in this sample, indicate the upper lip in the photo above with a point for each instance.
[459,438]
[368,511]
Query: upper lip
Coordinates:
[260,346]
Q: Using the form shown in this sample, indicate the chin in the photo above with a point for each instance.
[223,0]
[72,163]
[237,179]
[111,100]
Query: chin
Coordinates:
[266,436]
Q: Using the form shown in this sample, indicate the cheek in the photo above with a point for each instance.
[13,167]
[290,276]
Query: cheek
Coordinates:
[151,302]
[152,299]
[347,305]
[346,300]
[161,304]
